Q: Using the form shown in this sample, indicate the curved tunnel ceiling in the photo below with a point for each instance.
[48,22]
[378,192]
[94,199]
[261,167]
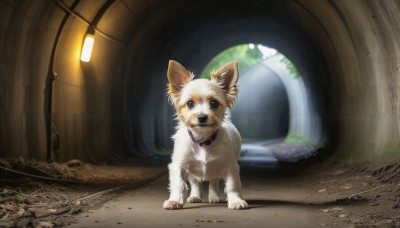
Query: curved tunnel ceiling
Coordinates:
[114,107]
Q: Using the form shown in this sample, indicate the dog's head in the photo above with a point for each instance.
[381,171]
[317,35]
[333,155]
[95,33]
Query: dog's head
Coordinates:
[200,104]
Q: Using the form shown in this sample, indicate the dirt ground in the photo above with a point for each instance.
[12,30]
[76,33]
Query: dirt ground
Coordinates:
[37,194]
[355,195]
[330,194]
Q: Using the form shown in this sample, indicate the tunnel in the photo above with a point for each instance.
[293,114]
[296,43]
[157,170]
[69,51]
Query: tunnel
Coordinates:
[87,138]
[114,108]
[268,119]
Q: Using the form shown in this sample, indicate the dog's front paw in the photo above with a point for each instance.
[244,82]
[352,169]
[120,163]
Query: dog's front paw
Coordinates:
[238,205]
[193,199]
[172,205]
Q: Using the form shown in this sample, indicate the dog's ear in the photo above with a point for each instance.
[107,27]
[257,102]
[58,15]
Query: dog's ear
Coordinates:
[227,77]
[178,77]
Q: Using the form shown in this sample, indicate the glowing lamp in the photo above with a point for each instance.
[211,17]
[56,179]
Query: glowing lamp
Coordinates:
[87,48]
[88,45]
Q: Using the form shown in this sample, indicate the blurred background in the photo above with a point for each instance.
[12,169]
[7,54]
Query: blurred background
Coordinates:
[318,79]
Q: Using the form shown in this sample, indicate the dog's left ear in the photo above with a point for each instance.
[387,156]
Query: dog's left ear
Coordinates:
[227,77]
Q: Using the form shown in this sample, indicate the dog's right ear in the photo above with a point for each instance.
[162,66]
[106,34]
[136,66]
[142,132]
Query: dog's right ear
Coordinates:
[178,77]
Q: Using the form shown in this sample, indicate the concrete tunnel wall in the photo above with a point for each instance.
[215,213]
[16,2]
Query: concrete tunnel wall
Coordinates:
[114,107]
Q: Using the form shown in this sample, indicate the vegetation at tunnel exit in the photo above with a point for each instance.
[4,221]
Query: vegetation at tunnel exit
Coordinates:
[289,65]
[246,55]
[292,138]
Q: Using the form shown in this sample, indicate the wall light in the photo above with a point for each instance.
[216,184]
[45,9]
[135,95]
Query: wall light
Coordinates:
[88,45]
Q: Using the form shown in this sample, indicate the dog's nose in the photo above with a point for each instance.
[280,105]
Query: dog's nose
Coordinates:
[202,118]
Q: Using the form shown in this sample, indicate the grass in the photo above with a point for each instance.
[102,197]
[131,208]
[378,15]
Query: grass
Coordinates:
[162,152]
[298,140]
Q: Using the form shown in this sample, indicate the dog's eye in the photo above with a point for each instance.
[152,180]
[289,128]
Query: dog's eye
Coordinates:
[190,104]
[214,104]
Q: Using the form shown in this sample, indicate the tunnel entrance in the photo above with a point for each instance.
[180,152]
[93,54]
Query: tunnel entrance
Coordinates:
[262,109]
[271,95]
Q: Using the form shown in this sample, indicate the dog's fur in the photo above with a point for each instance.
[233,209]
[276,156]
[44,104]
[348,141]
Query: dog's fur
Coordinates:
[200,106]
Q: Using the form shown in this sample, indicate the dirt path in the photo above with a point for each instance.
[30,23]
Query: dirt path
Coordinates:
[270,203]
[323,195]
[334,196]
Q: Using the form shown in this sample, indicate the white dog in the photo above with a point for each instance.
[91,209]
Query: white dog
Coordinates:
[206,144]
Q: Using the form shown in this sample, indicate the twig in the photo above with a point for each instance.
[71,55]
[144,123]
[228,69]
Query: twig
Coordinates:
[394,172]
[99,193]
[366,191]
[35,191]
[38,177]
[65,198]
[60,212]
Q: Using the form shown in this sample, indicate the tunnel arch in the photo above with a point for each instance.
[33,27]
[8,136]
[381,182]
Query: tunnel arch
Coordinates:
[347,52]
[247,30]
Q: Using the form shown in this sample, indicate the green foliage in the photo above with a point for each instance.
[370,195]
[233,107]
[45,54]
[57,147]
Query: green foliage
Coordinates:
[245,56]
[22,197]
[4,192]
[162,152]
[4,162]
[289,65]
[298,140]
[13,196]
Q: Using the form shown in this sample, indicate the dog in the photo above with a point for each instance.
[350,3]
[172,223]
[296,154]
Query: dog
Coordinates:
[206,144]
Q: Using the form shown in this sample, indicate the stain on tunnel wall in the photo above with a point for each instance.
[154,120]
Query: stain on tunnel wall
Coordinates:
[114,108]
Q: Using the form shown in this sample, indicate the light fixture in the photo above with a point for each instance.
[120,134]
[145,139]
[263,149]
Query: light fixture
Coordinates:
[88,45]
